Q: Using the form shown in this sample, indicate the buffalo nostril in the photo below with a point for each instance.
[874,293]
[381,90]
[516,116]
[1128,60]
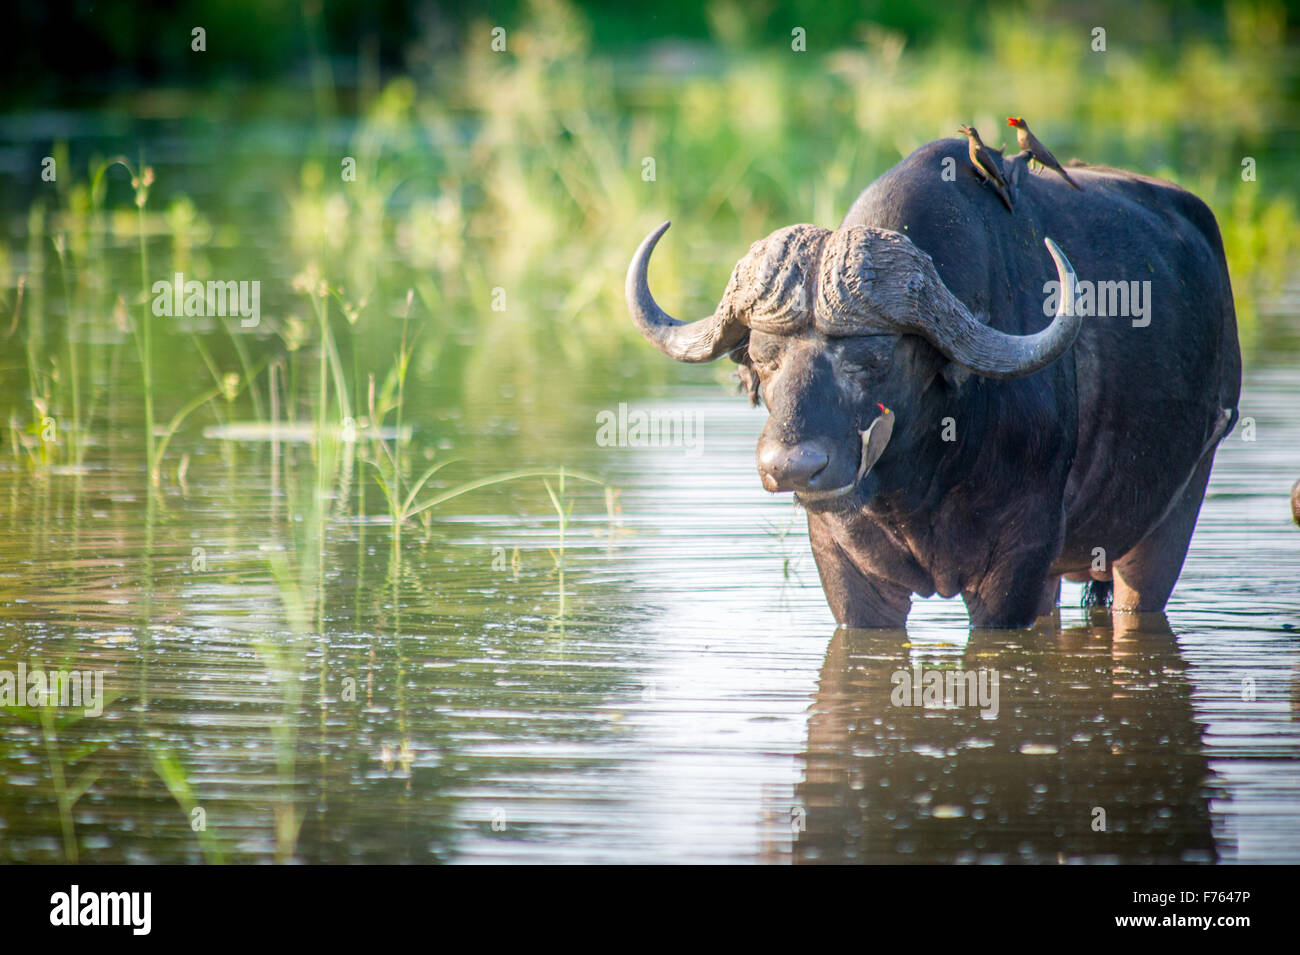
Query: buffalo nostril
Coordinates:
[784,468]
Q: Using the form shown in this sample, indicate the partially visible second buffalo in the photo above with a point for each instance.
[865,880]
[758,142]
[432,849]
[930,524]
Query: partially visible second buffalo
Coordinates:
[1027,437]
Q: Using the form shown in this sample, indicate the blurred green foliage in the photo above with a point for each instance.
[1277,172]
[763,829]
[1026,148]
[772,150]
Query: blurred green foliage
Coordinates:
[86,45]
[502,191]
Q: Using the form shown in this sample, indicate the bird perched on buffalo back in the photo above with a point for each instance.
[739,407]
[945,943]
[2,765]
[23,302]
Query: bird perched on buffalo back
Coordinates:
[1029,143]
[987,166]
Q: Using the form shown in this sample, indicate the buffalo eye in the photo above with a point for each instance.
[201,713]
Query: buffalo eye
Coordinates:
[863,355]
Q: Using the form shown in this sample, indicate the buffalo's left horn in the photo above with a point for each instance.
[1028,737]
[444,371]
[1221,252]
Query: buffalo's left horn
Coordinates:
[705,340]
[989,352]
[880,280]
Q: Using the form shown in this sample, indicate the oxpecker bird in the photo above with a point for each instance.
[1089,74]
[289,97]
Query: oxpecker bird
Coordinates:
[987,166]
[1029,144]
[875,438]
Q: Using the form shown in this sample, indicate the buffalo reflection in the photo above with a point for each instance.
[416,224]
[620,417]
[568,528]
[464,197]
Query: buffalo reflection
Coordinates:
[1093,754]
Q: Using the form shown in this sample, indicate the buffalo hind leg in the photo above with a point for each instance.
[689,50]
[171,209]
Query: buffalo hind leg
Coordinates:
[1145,576]
[856,599]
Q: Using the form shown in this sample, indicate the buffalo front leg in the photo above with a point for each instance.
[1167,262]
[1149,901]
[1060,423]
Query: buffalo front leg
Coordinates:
[1018,587]
[856,599]
[996,603]
[1017,590]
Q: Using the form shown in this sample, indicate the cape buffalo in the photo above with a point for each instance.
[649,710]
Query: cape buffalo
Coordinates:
[1022,447]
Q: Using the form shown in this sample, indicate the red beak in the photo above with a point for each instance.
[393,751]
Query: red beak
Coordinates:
[1012,121]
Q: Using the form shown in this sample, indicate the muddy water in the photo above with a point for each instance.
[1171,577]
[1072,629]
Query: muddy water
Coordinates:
[663,683]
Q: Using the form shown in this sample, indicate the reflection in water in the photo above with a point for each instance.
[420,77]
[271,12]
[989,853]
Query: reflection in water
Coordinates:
[1093,754]
[681,703]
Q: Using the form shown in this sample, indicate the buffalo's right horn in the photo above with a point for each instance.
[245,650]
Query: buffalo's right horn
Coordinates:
[708,339]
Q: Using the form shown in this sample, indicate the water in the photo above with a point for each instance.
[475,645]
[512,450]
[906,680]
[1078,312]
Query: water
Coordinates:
[661,681]
[679,694]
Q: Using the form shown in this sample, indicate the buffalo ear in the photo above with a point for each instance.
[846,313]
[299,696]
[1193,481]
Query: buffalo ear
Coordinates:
[927,363]
[954,375]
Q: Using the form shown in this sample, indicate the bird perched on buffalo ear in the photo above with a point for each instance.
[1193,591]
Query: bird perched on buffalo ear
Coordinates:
[987,166]
[1029,144]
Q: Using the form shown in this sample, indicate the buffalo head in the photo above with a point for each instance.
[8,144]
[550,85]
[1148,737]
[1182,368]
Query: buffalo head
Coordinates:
[826,326]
